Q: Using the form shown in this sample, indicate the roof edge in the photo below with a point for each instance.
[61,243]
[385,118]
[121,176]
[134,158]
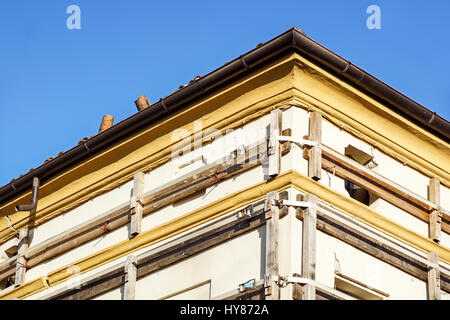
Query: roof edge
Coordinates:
[292,39]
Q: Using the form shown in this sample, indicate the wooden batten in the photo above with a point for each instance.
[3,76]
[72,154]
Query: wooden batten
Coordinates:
[161,257]
[434,282]
[272,263]
[315,134]
[309,245]
[130,271]
[382,187]
[435,224]
[136,205]
[372,246]
[274,144]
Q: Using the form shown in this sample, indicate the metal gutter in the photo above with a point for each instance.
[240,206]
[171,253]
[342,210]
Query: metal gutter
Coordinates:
[291,40]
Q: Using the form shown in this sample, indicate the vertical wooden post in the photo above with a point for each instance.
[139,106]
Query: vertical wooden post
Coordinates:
[21,264]
[309,246]
[274,144]
[434,282]
[130,278]
[436,215]
[315,134]
[136,205]
[272,267]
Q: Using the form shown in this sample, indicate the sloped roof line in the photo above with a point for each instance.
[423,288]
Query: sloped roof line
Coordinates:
[293,39]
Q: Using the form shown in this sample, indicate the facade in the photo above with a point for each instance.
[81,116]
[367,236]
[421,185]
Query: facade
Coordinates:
[288,173]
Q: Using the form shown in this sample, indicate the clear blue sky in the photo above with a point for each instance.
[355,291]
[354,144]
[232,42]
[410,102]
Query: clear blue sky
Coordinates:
[56,83]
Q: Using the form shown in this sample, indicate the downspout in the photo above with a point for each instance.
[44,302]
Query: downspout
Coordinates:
[34,198]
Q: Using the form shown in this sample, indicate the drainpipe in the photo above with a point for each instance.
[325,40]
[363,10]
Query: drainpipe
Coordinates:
[34,198]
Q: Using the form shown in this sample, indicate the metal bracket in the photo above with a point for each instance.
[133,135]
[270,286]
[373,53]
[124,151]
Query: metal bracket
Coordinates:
[300,142]
[246,212]
[250,284]
[300,204]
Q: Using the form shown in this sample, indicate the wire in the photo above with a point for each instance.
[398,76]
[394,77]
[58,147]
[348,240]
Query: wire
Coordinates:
[10,223]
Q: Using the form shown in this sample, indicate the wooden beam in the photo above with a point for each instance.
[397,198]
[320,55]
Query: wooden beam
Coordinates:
[373,182]
[274,144]
[130,272]
[435,192]
[136,205]
[159,258]
[272,227]
[309,245]
[21,264]
[434,283]
[378,249]
[315,134]
[434,195]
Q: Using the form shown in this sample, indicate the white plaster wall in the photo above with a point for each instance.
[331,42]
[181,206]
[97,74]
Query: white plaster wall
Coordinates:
[401,217]
[289,246]
[326,248]
[374,272]
[338,139]
[82,213]
[445,197]
[445,239]
[297,120]
[5,246]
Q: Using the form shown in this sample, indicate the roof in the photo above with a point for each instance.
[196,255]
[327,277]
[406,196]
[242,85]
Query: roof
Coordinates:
[293,40]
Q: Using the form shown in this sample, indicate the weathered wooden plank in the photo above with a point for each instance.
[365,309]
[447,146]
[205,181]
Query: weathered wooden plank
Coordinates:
[315,134]
[373,247]
[130,271]
[309,245]
[272,228]
[435,223]
[136,205]
[434,282]
[21,264]
[387,190]
[435,191]
[166,257]
[274,144]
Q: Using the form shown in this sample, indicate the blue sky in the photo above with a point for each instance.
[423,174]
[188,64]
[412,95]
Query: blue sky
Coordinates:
[56,83]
